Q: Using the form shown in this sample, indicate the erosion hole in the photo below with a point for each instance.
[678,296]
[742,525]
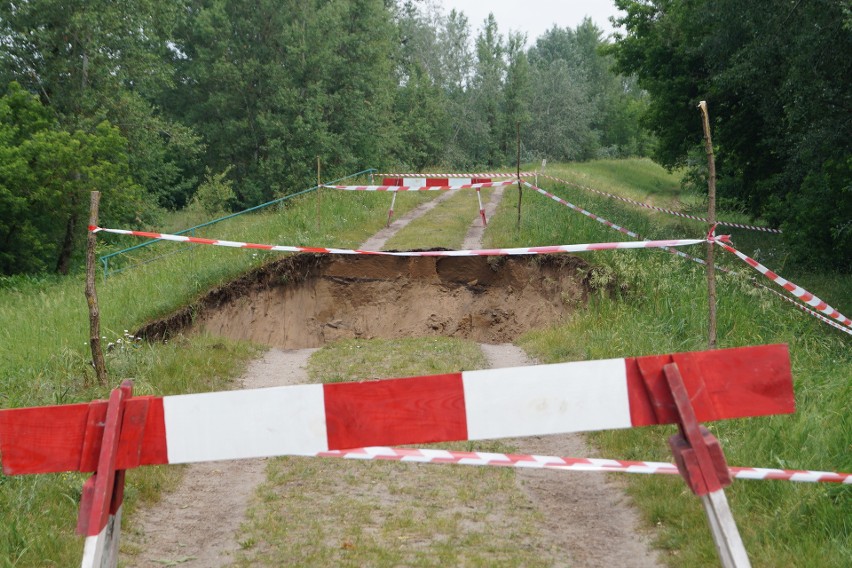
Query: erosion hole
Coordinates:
[309,300]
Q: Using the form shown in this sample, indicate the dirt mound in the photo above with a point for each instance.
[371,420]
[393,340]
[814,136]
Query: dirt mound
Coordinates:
[309,300]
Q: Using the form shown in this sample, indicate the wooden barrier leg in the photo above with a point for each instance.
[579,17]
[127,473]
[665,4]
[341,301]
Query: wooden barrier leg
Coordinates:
[390,211]
[702,464]
[100,508]
[729,544]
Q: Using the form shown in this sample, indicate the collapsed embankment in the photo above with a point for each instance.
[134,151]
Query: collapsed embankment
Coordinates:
[308,300]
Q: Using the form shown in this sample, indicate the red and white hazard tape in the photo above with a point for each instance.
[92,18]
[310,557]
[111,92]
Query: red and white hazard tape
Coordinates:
[683,254]
[806,309]
[552,249]
[524,461]
[481,175]
[419,187]
[660,209]
[794,289]
[607,223]
[471,405]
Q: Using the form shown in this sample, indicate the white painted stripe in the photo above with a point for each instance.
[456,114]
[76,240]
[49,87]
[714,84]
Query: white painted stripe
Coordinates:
[245,424]
[93,550]
[546,399]
[414,182]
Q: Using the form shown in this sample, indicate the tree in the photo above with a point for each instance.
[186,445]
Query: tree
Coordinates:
[91,61]
[776,79]
[487,93]
[45,176]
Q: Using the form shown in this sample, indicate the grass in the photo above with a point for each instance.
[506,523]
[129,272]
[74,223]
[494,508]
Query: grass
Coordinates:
[445,226]
[315,512]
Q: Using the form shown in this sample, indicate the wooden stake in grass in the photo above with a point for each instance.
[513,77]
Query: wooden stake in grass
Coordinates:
[711,216]
[91,294]
[520,190]
[319,195]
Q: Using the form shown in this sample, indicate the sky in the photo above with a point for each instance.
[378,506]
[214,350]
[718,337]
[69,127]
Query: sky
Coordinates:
[534,16]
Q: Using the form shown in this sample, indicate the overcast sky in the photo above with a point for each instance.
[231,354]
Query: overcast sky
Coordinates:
[534,16]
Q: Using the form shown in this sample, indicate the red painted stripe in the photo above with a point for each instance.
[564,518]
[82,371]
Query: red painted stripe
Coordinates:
[480,180]
[416,410]
[154,445]
[726,383]
[437,182]
[392,181]
[42,439]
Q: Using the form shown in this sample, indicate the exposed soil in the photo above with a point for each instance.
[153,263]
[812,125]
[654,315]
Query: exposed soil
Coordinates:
[490,300]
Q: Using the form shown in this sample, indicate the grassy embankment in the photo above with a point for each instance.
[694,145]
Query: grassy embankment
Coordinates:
[44,356]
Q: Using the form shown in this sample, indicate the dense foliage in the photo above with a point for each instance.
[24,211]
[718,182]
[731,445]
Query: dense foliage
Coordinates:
[251,94]
[776,75]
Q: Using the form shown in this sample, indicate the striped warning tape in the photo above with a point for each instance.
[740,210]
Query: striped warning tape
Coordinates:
[684,255]
[794,289]
[660,209]
[526,461]
[804,308]
[552,249]
[419,187]
[607,223]
[491,175]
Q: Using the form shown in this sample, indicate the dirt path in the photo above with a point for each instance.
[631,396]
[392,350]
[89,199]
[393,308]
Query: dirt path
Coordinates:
[195,525]
[587,517]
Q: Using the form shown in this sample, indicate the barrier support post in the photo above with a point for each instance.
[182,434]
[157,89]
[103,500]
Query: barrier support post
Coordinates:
[390,211]
[99,517]
[481,208]
[701,462]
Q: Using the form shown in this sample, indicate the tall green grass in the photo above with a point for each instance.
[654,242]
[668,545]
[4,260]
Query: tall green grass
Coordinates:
[650,302]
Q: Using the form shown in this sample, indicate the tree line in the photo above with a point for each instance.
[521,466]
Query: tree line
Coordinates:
[229,103]
[158,103]
[777,76]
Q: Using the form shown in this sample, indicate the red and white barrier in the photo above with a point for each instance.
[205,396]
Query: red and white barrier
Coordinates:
[420,185]
[472,405]
[459,176]
[660,209]
[526,461]
[682,388]
[552,249]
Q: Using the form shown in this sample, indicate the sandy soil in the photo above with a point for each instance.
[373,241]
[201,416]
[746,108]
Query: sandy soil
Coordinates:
[587,516]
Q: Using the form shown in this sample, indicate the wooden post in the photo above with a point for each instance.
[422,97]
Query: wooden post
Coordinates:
[91,294]
[520,190]
[711,216]
[319,195]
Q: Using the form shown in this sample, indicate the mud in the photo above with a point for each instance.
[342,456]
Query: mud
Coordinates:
[308,300]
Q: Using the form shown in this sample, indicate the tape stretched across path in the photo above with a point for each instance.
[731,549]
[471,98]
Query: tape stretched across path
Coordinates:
[524,461]
[392,188]
[552,249]
[471,405]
